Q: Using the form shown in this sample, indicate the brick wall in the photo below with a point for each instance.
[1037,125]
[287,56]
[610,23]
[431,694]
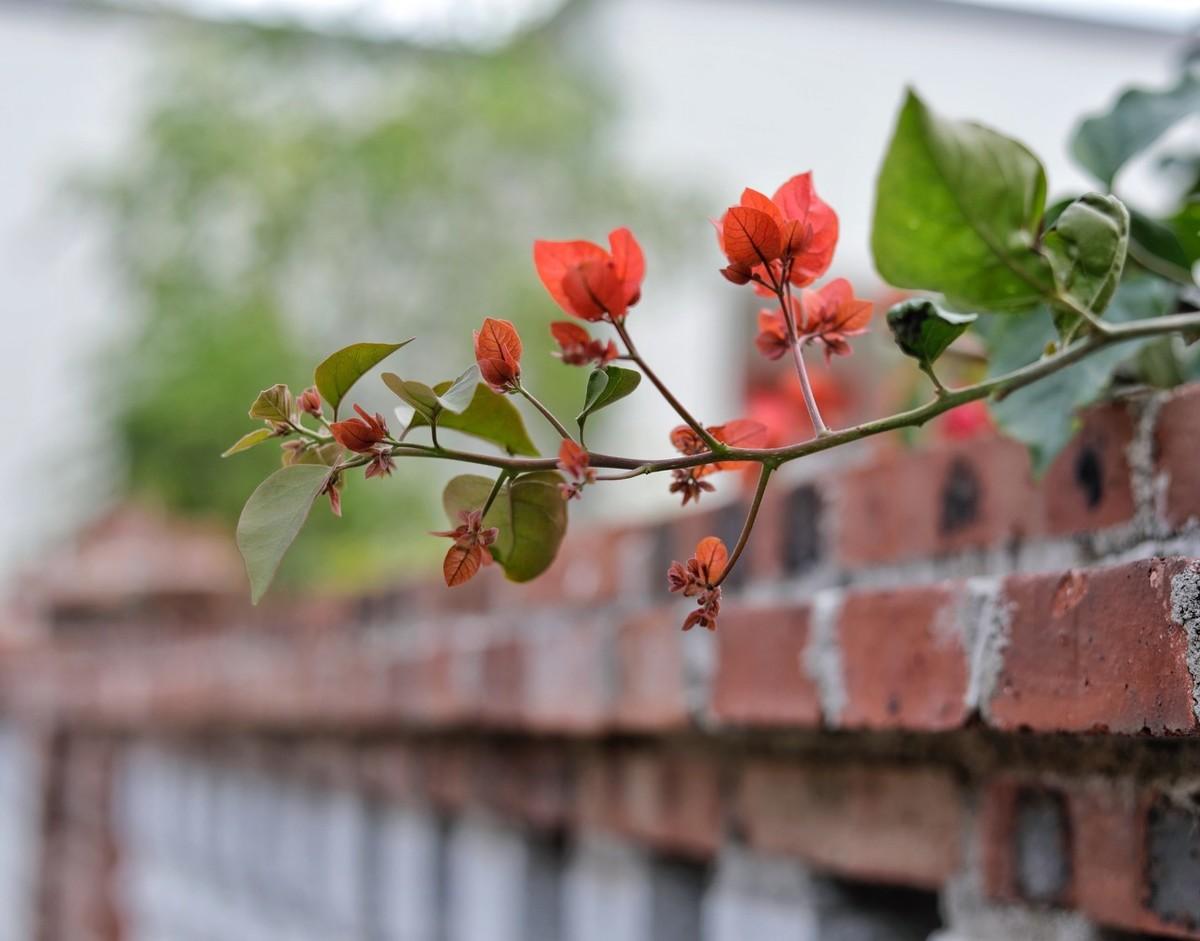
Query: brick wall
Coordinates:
[945,702]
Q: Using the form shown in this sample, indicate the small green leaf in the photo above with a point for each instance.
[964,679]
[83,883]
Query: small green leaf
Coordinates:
[339,371]
[1156,246]
[490,416]
[529,512]
[249,440]
[923,330]
[1086,248]
[957,210]
[272,518]
[460,392]
[422,398]
[605,386]
[274,404]
[1105,142]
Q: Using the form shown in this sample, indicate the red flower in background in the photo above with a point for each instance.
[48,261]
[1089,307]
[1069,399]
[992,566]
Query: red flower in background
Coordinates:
[360,434]
[966,421]
[588,282]
[578,348]
[498,353]
[794,229]
[739,433]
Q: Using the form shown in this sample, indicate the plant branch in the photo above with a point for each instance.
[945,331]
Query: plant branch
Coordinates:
[712,443]
[775,457]
[764,475]
[496,487]
[549,416]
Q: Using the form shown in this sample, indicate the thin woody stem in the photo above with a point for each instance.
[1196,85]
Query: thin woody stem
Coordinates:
[712,443]
[496,487]
[764,475]
[783,290]
[775,457]
[549,415]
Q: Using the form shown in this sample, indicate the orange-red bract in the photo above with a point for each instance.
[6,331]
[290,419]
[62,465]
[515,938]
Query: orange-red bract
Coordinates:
[576,346]
[712,556]
[772,339]
[589,282]
[833,313]
[794,228]
[498,353]
[572,459]
[359,434]
[461,564]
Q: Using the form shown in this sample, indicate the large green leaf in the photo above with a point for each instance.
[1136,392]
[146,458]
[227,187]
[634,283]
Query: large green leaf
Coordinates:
[529,512]
[1157,247]
[605,386]
[1043,415]
[490,416]
[923,330]
[1104,142]
[272,518]
[420,396]
[957,210]
[339,371]
[1087,247]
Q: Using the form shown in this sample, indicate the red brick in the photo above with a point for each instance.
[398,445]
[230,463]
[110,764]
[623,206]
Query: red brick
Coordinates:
[1094,651]
[1088,486]
[501,695]
[1175,438]
[903,661]
[761,677]
[934,502]
[872,822]
[651,693]
[568,686]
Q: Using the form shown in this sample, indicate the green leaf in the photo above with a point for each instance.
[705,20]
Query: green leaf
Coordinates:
[1043,415]
[273,404]
[923,330]
[1104,142]
[1086,248]
[605,386]
[529,512]
[957,210]
[272,518]
[339,371]
[460,392]
[249,440]
[490,416]
[1157,247]
[422,398]
[1186,225]
[324,454]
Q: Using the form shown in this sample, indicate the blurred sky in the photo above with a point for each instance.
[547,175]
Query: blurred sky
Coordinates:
[714,94]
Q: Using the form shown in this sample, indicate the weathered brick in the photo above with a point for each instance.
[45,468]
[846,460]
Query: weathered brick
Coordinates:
[903,660]
[1175,437]
[568,675]
[1027,842]
[1088,486]
[671,799]
[761,677]
[912,505]
[1094,651]
[873,822]
[651,692]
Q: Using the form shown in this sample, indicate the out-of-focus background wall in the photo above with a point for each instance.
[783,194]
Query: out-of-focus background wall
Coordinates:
[198,199]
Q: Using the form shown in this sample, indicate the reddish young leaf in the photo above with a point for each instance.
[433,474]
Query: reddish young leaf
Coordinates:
[750,236]
[575,463]
[577,348]
[498,353]
[753,199]
[712,556]
[360,434]
[566,333]
[686,441]
[832,314]
[461,564]
[553,260]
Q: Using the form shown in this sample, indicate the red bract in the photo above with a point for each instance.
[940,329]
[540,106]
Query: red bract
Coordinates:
[793,231]
[577,346]
[589,282]
[498,353]
[360,434]
[469,552]
[772,339]
[696,579]
[832,314]
[575,463]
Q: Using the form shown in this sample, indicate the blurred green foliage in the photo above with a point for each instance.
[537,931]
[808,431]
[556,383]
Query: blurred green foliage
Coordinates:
[288,193]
